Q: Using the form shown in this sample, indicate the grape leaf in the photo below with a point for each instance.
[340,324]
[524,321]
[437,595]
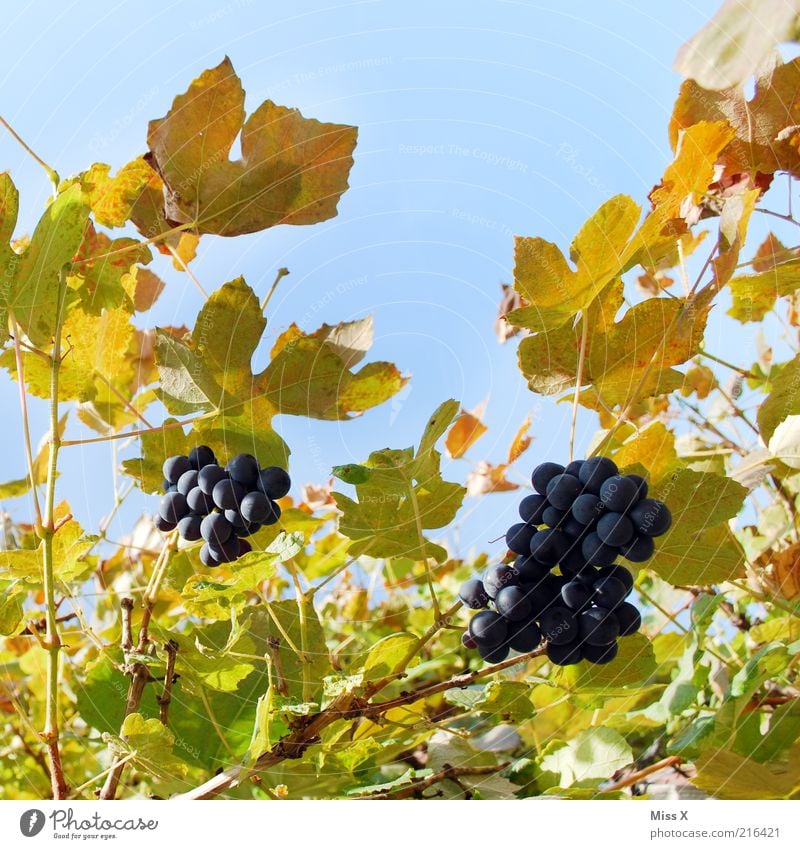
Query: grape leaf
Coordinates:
[9,210]
[782,401]
[633,665]
[293,170]
[760,143]
[465,432]
[754,295]
[553,291]
[384,658]
[590,756]
[741,36]
[784,444]
[652,447]
[726,775]
[400,494]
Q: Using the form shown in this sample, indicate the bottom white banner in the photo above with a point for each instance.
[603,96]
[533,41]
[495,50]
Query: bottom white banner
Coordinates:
[389,824]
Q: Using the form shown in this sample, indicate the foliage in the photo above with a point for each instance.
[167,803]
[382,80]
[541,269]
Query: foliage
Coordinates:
[328,662]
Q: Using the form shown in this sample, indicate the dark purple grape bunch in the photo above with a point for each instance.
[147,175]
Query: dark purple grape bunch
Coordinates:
[220,505]
[579,521]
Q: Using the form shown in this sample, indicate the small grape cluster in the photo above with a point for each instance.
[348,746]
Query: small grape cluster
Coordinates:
[580,519]
[220,505]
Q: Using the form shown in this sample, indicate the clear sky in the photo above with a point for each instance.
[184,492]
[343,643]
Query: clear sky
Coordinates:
[478,120]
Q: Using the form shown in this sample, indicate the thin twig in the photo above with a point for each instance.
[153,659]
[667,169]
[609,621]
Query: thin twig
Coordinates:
[51,174]
[171,648]
[637,776]
[128,404]
[180,260]
[282,272]
[578,381]
[141,432]
[446,773]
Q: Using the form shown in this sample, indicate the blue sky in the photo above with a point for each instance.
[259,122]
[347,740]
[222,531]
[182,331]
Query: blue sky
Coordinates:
[477,121]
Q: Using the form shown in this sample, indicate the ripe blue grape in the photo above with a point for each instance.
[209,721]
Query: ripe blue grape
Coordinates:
[651,517]
[224,552]
[467,641]
[255,507]
[274,482]
[247,529]
[174,467]
[488,628]
[562,490]
[587,507]
[228,494]
[531,508]
[542,475]
[173,507]
[473,594]
[244,547]
[596,552]
[243,468]
[544,594]
[641,485]
[573,528]
[530,570]
[162,524]
[574,468]
[615,529]
[187,482]
[206,557]
[629,618]
[558,625]
[598,626]
[215,528]
[201,455]
[599,654]
[564,655]
[594,471]
[573,560]
[639,549]
[549,546]
[618,493]
[553,517]
[577,595]
[493,654]
[610,592]
[199,502]
[189,528]
[519,536]
[513,604]
[499,576]
[209,476]
[524,636]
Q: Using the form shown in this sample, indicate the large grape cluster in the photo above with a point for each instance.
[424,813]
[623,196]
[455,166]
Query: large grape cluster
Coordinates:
[580,520]
[220,505]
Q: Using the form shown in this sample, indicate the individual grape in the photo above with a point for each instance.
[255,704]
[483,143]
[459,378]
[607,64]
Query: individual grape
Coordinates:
[573,528]
[618,493]
[562,490]
[467,641]
[173,507]
[162,524]
[513,604]
[574,468]
[594,471]
[243,468]
[246,530]
[598,626]
[255,507]
[174,467]
[610,592]
[225,552]
[564,655]
[573,561]
[519,536]
[639,549]
[235,518]
[549,546]
[530,570]
[558,625]
[615,529]
[215,528]
[473,594]
[165,486]
[543,474]
[544,595]
[620,573]
[629,618]
[651,517]
[524,636]
[499,576]
[488,628]
[493,654]
[587,507]
[244,547]
[552,516]
[209,476]
[206,557]
[228,494]
[599,654]
[531,508]
[199,502]
[189,528]
[274,482]
[187,482]
[597,552]
[274,514]
[201,455]
[577,595]
[641,485]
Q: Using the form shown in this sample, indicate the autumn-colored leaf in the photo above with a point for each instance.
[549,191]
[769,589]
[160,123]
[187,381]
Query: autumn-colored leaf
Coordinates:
[486,478]
[465,432]
[786,571]
[292,171]
[521,441]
